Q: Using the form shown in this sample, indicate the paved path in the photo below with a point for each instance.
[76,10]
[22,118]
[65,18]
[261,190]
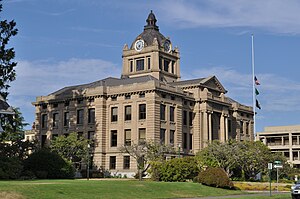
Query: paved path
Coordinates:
[238,196]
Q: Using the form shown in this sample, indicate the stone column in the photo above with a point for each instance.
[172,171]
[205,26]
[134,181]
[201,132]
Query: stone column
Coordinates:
[209,127]
[204,127]
[222,128]
[226,127]
[290,146]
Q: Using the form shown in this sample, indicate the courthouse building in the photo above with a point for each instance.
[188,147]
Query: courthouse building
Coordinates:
[148,102]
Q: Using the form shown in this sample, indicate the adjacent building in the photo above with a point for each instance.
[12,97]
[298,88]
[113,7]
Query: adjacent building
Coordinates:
[148,102]
[283,139]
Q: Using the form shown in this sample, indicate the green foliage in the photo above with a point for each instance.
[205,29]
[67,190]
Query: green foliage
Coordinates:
[47,164]
[7,71]
[174,170]
[10,167]
[215,177]
[72,147]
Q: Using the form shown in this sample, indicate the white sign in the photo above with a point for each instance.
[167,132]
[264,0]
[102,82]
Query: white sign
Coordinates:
[270,166]
[278,166]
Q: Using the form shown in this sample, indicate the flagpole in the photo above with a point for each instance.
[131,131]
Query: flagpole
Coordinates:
[253,86]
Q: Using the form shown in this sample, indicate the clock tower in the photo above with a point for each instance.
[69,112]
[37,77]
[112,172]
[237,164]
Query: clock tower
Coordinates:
[151,53]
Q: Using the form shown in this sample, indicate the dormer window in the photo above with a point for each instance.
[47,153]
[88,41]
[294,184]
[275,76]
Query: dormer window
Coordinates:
[140,64]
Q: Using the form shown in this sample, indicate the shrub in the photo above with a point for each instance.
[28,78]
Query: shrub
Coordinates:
[46,164]
[174,170]
[215,177]
[10,168]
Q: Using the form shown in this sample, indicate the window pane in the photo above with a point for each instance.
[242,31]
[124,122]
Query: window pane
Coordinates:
[162,136]
[66,119]
[142,134]
[166,65]
[139,64]
[112,162]
[114,138]
[127,112]
[55,120]
[91,115]
[44,121]
[172,133]
[127,137]
[172,110]
[126,161]
[142,111]
[184,118]
[191,118]
[80,116]
[162,112]
[114,114]
[191,141]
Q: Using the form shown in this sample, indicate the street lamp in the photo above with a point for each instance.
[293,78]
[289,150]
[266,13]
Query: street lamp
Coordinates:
[88,162]
[179,145]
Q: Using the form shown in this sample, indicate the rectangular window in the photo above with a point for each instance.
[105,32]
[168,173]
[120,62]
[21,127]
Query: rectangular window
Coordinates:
[112,162]
[55,120]
[127,97]
[44,121]
[131,66]
[172,111]
[185,140]
[127,139]
[80,116]
[149,66]
[114,98]
[114,114]
[141,95]
[114,138]
[172,67]
[191,141]
[162,136]
[142,134]
[191,118]
[166,65]
[241,127]
[162,112]
[229,126]
[44,138]
[139,64]
[160,63]
[126,162]
[184,118]
[142,111]
[247,129]
[91,116]
[172,134]
[91,135]
[127,113]
[66,119]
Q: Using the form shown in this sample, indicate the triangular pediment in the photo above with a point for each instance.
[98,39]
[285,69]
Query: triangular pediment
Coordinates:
[213,83]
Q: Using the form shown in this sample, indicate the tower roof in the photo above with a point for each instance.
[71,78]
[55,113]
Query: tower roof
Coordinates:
[150,32]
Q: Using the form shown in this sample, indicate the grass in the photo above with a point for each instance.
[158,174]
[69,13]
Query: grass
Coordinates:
[73,189]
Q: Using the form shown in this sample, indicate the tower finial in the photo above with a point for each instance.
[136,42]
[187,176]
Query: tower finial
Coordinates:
[151,21]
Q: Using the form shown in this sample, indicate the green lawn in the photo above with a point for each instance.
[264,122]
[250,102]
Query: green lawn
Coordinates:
[56,189]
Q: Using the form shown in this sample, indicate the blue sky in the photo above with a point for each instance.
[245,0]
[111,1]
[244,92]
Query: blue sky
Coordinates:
[68,42]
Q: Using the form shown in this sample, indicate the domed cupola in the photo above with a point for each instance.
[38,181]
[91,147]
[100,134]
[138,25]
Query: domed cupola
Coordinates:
[150,34]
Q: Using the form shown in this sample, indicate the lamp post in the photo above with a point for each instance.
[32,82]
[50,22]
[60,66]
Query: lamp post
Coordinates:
[179,150]
[88,163]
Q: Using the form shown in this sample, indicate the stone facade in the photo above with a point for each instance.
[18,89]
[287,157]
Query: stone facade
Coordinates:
[148,102]
[283,139]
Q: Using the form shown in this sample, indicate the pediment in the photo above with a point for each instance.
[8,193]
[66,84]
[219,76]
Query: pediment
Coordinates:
[213,83]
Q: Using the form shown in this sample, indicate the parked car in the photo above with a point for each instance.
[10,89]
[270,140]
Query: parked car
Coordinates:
[295,190]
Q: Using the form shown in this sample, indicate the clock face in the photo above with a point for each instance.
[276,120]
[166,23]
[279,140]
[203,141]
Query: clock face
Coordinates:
[167,46]
[139,45]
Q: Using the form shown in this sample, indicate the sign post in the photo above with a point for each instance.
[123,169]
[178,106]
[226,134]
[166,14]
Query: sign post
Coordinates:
[277,165]
[270,166]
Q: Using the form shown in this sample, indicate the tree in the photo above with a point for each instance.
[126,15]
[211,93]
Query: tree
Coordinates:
[13,127]
[144,152]
[7,71]
[72,147]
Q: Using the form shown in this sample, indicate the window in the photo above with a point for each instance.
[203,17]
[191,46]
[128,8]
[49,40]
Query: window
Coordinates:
[162,112]
[229,126]
[126,162]
[172,134]
[127,97]
[91,116]
[131,66]
[166,65]
[241,127]
[127,139]
[55,105]
[66,119]
[44,121]
[149,66]
[191,141]
[247,128]
[185,140]
[172,111]
[44,138]
[112,162]
[114,114]
[91,135]
[55,120]
[191,118]
[139,64]
[142,134]
[172,67]
[142,111]
[127,113]
[80,116]
[114,138]
[160,63]
[162,136]
[184,118]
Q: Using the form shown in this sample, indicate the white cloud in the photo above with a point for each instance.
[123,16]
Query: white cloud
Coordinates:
[36,78]
[274,15]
